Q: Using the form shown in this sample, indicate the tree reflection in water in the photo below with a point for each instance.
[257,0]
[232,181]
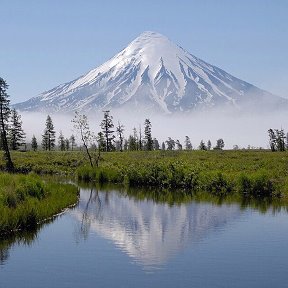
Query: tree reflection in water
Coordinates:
[95,201]
[23,238]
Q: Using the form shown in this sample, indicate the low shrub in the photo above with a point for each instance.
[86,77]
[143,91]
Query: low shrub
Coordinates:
[217,184]
[258,185]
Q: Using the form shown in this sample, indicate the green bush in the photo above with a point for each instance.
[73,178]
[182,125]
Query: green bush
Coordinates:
[258,185]
[218,184]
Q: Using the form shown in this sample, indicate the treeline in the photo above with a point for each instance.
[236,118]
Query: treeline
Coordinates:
[278,140]
[109,138]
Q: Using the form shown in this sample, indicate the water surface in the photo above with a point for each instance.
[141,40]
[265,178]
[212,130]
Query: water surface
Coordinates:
[114,240]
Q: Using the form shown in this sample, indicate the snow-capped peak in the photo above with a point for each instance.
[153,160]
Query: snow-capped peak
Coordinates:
[150,73]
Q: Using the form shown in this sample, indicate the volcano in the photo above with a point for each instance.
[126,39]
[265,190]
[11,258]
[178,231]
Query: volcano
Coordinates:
[153,74]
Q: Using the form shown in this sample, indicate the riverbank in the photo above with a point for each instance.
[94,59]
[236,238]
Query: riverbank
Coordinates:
[26,200]
[247,173]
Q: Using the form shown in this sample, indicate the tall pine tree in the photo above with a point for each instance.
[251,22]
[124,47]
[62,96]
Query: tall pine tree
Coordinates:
[188,145]
[73,142]
[156,145]
[120,131]
[4,117]
[170,144]
[67,144]
[280,139]
[148,135]
[107,129]
[48,138]
[61,142]
[135,136]
[272,140]
[140,142]
[209,145]
[16,132]
[101,141]
[219,144]
[202,145]
[34,143]
[179,145]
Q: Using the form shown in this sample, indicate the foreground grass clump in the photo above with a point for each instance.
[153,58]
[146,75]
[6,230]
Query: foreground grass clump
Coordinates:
[26,200]
[256,174]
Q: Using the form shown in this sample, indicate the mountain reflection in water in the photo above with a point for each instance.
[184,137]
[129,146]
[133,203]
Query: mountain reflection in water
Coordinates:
[147,231]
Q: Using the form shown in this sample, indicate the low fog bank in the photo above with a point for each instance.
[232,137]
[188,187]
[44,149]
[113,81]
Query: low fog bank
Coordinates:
[234,129]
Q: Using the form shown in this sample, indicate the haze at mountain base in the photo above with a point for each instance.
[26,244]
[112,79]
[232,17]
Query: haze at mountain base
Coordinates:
[234,129]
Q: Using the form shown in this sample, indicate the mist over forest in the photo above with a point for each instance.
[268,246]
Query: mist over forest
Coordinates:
[236,129]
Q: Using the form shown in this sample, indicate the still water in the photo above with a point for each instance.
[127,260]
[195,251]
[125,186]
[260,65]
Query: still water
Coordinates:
[114,240]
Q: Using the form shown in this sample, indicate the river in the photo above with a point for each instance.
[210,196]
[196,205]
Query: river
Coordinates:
[115,239]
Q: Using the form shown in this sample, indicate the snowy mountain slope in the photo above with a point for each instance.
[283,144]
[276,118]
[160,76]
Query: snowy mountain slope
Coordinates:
[150,232]
[152,74]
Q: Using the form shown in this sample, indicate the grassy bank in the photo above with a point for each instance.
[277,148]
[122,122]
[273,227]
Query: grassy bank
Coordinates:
[254,174]
[248,173]
[26,200]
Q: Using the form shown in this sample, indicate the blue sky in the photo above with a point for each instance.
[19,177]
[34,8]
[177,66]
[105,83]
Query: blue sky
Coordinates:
[46,43]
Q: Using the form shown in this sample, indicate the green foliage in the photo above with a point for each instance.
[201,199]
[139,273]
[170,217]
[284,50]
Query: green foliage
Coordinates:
[170,144]
[48,138]
[34,144]
[81,124]
[220,173]
[16,133]
[188,144]
[277,140]
[148,135]
[107,127]
[28,200]
[219,144]
[218,184]
[202,145]
[86,173]
[217,172]
[4,115]
[258,185]
[42,162]
[61,142]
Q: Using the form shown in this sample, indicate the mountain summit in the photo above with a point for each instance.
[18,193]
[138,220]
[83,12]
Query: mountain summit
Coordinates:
[152,74]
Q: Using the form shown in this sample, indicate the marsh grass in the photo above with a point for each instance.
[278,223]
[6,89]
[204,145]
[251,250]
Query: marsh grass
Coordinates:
[26,200]
[249,174]
[46,162]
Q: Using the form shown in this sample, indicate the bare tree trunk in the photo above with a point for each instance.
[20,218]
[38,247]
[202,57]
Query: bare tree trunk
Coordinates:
[86,148]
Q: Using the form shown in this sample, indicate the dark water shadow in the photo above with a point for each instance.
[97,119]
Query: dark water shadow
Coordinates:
[25,238]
